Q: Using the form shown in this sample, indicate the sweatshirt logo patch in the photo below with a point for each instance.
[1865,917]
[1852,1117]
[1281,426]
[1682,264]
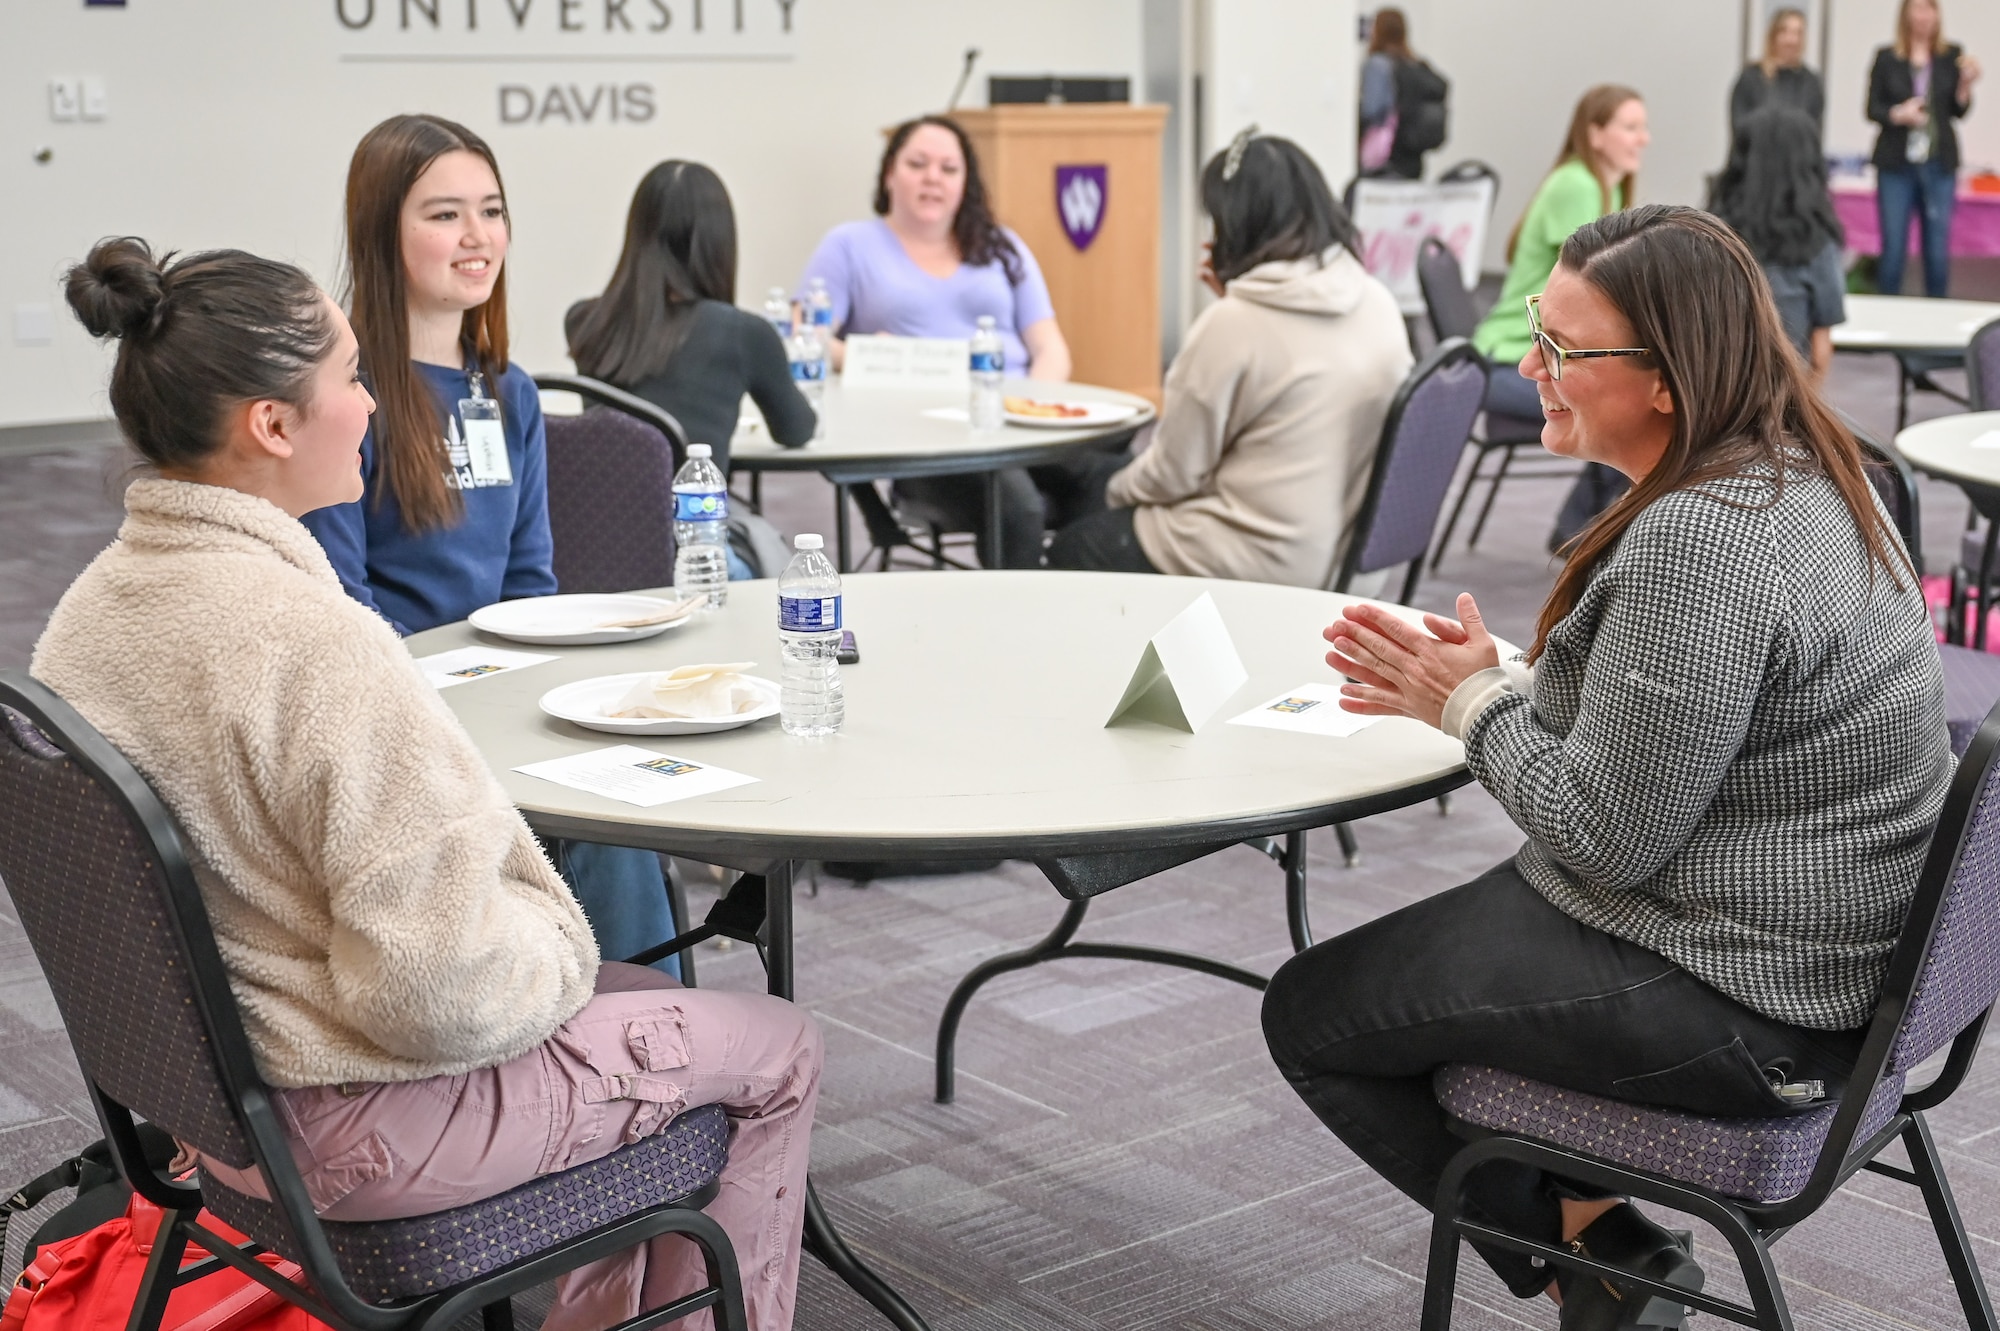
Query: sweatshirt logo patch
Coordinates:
[1650,685]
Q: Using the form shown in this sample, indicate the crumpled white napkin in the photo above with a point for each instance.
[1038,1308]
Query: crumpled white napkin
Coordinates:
[692,692]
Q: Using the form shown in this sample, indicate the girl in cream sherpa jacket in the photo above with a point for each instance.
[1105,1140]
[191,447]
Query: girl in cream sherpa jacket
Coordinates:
[384,913]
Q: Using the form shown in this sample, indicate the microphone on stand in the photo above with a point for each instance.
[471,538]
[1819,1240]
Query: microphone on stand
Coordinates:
[964,77]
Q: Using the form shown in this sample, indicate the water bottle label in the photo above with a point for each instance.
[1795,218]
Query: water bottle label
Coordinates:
[808,371]
[822,316]
[989,362]
[700,506]
[808,614]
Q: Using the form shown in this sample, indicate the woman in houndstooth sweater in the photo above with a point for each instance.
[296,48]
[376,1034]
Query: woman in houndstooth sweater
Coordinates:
[1727,748]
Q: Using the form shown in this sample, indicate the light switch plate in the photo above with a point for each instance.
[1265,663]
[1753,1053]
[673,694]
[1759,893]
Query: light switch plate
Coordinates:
[34,325]
[94,103]
[65,99]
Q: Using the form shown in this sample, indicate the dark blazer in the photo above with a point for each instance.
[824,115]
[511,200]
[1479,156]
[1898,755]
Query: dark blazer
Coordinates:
[1892,81]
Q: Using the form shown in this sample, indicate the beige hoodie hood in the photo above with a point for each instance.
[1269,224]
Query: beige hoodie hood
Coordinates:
[1330,284]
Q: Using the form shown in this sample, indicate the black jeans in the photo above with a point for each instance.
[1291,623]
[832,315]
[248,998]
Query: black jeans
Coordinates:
[1032,499]
[1490,973]
[1099,539]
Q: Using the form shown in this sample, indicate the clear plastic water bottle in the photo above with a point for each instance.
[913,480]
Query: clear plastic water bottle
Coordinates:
[778,311]
[701,529]
[807,353]
[989,367]
[810,701]
[819,313]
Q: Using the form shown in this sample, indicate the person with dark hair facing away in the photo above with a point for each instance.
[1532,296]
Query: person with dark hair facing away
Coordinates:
[418,986]
[1773,193]
[667,327]
[931,262]
[1726,746]
[444,527]
[1780,77]
[1403,111]
[1595,173]
[1274,407]
[1916,88]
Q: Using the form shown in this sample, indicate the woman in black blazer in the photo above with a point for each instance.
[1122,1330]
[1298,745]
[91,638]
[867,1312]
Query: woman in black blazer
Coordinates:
[1917,88]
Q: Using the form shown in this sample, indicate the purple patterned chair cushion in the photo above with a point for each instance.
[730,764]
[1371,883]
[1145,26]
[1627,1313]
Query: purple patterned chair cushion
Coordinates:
[1756,1159]
[1971,687]
[1422,458]
[1961,974]
[401,1259]
[611,502]
[73,859]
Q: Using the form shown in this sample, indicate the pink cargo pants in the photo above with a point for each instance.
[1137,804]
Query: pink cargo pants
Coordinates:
[638,1053]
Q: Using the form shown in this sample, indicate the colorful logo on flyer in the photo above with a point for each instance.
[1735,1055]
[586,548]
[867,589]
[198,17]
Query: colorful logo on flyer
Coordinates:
[1293,706]
[668,767]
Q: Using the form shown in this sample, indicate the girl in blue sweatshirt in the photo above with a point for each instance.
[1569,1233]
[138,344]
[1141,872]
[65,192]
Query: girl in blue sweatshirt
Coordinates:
[455,511]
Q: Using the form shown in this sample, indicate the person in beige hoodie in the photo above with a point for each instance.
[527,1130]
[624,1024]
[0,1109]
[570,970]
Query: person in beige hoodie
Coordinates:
[1274,407]
[415,979]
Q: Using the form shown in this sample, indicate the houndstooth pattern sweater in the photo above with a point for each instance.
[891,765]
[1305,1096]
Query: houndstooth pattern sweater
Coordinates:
[1735,748]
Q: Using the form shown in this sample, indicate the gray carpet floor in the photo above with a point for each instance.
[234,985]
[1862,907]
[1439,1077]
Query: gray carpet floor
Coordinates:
[1121,1155]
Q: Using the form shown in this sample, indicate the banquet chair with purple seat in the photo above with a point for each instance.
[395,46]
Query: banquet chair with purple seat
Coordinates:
[101,880]
[611,488]
[1753,1179]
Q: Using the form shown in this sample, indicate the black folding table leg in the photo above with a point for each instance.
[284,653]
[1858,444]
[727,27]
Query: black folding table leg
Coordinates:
[840,538]
[1958,1258]
[994,553]
[821,1238]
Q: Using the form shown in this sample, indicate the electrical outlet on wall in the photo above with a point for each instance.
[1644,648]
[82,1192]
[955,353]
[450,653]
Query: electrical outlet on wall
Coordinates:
[34,325]
[93,104]
[65,99]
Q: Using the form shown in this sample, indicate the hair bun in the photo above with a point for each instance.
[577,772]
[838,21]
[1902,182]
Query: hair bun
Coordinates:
[120,289]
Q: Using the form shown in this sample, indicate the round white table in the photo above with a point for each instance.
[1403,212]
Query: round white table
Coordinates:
[875,434]
[1964,449]
[976,729]
[1911,323]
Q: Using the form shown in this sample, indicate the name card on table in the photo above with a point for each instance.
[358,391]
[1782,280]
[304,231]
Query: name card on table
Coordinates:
[1187,672]
[878,360]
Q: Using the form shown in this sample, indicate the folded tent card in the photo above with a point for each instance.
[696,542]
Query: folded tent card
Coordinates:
[880,360]
[693,692]
[1188,670]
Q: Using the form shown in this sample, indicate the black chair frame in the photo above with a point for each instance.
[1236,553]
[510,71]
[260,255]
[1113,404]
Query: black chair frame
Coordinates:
[1751,1227]
[326,1294]
[595,392]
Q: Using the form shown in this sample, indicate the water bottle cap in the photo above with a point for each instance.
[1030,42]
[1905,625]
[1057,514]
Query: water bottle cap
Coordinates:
[700,451]
[986,321]
[777,293]
[808,541]
[819,282]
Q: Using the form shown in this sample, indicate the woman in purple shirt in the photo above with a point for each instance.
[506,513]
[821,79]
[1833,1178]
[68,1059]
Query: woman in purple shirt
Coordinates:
[929,265]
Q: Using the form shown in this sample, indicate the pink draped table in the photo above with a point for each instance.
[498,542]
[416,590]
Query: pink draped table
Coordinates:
[1975,226]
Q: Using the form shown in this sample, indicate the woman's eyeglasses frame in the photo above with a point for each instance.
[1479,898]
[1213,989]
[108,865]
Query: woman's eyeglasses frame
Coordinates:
[1553,356]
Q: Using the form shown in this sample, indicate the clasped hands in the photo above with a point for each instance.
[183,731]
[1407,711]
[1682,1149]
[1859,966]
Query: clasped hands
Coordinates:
[1395,668]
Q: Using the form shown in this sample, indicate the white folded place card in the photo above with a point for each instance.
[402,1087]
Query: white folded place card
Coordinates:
[1188,670]
[634,775]
[1310,709]
[1990,439]
[878,360]
[470,663]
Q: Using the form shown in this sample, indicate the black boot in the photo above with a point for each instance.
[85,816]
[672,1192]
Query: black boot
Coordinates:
[1625,1238]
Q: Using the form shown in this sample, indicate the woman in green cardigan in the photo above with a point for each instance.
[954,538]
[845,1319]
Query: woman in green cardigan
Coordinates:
[1593,175]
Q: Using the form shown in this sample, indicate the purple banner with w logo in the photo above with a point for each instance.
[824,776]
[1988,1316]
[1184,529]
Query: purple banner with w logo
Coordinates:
[1081,194]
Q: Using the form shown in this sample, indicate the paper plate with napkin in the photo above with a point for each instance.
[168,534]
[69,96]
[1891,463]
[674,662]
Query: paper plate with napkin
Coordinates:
[687,700]
[577,620]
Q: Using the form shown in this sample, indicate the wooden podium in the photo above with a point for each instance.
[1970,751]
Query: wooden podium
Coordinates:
[1106,294]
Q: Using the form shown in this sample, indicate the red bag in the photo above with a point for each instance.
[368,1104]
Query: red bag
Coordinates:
[89,1283]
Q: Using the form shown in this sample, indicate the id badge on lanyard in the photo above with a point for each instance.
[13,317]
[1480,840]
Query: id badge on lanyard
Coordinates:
[485,436]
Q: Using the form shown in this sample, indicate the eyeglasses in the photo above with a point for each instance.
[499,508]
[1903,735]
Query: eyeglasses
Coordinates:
[1553,356]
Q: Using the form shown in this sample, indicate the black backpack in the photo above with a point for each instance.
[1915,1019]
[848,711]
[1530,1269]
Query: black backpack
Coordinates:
[101,1195]
[1421,116]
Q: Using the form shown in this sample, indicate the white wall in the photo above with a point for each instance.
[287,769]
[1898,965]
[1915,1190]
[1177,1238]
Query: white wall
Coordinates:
[231,121]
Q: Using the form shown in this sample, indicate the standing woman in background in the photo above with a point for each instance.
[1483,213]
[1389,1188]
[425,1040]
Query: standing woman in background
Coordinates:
[929,264]
[1781,77]
[1915,90]
[1595,174]
[667,328]
[1402,101]
[444,525]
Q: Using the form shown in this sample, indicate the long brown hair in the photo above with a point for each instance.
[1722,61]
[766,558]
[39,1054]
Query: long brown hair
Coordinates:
[1903,29]
[1594,110]
[978,236]
[1779,17]
[1389,34]
[408,425]
[1694,293]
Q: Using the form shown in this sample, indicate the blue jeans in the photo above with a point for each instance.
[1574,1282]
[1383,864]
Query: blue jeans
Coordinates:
[624,896]
[1930,192]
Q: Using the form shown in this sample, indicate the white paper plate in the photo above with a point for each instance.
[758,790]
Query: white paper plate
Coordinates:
[571,621]
[583,704]
[1098,413]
